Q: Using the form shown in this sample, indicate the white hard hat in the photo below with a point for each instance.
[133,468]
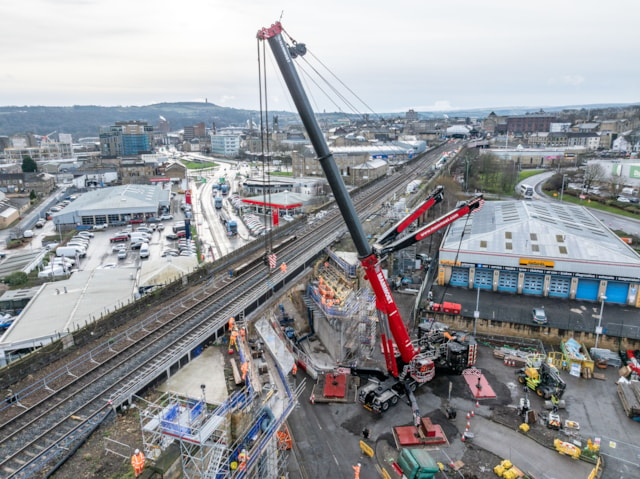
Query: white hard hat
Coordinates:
[137,451]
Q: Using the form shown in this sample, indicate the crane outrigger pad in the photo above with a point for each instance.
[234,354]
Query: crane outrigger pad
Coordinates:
[428,434]
[478,384]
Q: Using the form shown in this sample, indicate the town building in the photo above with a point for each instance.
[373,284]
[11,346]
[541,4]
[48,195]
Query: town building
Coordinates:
[126,138]
[225,145]
[115,205]
[541,249]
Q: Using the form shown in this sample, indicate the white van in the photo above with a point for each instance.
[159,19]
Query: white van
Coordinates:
[71,251]
[144,250]
[139,237]
[629,191]
[50,272]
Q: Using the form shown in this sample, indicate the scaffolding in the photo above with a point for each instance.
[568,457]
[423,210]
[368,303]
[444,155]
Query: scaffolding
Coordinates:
[201,429]
[239,438]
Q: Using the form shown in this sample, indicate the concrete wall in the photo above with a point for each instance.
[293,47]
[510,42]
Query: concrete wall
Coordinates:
[552,336]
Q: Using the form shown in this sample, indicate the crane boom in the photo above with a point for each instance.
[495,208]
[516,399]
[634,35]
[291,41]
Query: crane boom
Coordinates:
[413,365]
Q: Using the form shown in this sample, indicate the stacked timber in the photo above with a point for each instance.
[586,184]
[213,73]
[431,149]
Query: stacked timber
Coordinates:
[629,393]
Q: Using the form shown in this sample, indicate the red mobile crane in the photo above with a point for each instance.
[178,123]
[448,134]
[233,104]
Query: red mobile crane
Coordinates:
[412,367]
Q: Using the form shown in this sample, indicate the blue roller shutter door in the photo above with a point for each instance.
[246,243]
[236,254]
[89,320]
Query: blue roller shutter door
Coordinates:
[459,277]
[588,289]
[483,278]
[533,284]
[559,286]
[617,292]
[508,281]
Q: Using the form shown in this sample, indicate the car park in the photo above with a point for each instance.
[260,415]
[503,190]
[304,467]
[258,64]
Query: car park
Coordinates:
[539,316]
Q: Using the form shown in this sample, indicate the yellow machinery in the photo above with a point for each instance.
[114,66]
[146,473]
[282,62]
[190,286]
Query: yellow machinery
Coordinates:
[566,448]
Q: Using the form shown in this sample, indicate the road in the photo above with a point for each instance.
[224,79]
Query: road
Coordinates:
[613,221]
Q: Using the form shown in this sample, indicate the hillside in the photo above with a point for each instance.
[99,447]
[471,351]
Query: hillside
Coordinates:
[83,121]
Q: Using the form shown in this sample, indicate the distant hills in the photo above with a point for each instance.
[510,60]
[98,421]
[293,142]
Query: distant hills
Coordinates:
[85,121]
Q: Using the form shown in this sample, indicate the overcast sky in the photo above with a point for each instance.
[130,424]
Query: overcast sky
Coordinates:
[394,55]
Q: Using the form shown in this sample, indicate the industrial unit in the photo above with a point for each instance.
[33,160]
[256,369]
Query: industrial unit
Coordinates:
[538,248]
[115,205]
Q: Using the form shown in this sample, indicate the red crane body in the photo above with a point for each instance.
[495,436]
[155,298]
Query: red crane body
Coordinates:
[414,364]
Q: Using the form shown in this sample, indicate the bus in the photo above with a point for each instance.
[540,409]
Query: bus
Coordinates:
[526,191]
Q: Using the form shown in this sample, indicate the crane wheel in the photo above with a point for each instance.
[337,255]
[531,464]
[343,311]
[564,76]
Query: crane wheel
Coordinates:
[394,400]
[385,406]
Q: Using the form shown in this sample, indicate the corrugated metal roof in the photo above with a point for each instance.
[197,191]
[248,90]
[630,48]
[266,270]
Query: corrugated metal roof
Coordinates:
[504,231]
[117,197]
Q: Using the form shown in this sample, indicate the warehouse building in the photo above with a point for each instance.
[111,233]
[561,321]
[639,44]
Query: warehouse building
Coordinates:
[538,248]
[115,206]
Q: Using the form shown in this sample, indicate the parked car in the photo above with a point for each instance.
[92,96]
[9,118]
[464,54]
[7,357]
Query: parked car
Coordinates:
[122,254]
[136,244]
[623,199]
[166,217]
[539,316]
[27,234]
[172,236]
[160,227]
[102,226]
[40,223]
[119,238]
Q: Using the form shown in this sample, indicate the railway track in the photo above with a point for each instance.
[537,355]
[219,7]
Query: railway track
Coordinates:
[46,421]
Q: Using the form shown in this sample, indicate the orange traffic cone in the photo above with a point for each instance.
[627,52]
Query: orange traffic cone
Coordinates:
[477,403]
[312,398]
[473,413]
[469,415]
[462,437]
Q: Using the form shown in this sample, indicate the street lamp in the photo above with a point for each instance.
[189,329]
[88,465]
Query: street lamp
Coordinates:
[476,313]
[562,189]
[599,327]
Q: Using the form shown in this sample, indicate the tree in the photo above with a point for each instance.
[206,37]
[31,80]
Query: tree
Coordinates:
[33,195]
[593,173]
[17,278]
[29,165]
